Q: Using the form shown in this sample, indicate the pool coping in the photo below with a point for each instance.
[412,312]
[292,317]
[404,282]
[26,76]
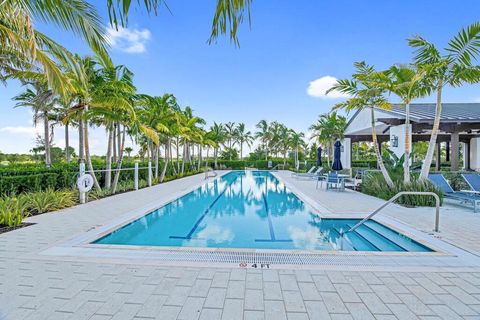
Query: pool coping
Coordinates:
[81,246]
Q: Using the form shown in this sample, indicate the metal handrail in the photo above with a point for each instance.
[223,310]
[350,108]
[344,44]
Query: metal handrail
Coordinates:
[395,197]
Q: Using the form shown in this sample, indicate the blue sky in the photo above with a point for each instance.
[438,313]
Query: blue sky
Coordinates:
[289,45]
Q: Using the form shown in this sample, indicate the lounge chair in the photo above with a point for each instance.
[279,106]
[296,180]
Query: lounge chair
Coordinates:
[311,170]
[473,180]
[466,197]
[310,175]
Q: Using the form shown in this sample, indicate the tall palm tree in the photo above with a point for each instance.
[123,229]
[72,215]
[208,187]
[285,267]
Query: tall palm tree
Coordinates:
[453,67]
[408,83]
[296,142]
[217,135]
[41,99]
[35,53]
[230,128]
[264,135]
[329,128]
[243,137]
[365,93]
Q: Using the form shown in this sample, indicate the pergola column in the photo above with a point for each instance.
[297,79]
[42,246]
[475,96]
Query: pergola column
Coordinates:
[466,155]
[474,153]
[438,156]
[447,151]
[455,140]
[346,155]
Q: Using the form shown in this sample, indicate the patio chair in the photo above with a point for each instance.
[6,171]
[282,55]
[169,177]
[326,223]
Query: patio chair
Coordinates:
[473,181]
[464,197]
[355,181]
[313,175]
[334,182]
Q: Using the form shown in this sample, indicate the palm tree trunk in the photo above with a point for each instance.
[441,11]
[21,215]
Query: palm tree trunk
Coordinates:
[119,137]
[67,144]
[215,158]
[156,155]
[167,159]
[46,136]
[386,176]
[81,141]
[178,156]
[433,138]
[114,144]
[120,158]
[241,150]
[108,173]
[88,158]
[406,163]
[170,151]
[183,157]
[199,157]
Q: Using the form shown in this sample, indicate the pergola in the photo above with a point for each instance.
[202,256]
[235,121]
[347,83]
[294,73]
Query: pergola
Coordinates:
[459,125]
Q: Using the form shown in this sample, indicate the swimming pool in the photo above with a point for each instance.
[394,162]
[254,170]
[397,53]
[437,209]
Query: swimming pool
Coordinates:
[252,209]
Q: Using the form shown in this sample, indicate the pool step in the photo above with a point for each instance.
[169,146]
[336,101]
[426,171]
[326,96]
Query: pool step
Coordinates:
[402,241]
[359,242]
[377,239]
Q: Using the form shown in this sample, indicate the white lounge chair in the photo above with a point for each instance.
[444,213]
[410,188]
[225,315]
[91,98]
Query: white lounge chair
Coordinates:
[311,170]
[310,175]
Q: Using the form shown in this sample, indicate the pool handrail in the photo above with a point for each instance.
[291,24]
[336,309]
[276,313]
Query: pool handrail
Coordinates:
[395,197]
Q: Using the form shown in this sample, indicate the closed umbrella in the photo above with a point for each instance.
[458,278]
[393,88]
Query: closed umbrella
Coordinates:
[319,156]
[337,163]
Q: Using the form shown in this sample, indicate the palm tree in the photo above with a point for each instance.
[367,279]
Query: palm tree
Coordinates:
[32,52]
[243,137]
[217,135]
[296,141]
[329,128]
[264,135]
[128,151]
[229,14]
[365,93]
[230,135]
[408,83]
[454,67]
[41,99]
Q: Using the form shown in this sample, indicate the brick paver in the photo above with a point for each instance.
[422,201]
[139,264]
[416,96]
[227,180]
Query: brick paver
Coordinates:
[32,288]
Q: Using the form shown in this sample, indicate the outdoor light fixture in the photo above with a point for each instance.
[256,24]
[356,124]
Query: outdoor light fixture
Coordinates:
[394,141]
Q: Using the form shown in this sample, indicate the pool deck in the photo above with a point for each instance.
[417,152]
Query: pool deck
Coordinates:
[34,285]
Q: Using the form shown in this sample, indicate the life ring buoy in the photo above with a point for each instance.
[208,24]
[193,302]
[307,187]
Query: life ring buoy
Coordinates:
[85,183]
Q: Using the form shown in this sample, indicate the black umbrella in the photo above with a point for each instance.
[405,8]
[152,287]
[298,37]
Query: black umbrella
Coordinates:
[337,163]
[319,156]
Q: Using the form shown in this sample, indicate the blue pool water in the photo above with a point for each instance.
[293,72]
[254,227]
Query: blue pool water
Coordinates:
[255,210]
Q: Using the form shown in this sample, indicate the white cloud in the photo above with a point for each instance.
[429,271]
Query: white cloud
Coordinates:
[318,88]
[128,40]
[20,130]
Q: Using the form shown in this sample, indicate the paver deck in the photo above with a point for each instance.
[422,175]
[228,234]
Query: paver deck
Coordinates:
[43,288]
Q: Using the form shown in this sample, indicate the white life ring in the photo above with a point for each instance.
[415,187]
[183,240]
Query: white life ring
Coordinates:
[85,183]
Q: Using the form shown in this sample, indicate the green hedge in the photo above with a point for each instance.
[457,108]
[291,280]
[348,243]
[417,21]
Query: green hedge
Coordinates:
[28,183]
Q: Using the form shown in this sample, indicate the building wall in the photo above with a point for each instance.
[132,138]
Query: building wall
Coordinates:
[399,132]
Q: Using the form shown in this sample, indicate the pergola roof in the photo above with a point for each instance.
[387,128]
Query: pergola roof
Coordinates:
[451,112]
[463,118]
